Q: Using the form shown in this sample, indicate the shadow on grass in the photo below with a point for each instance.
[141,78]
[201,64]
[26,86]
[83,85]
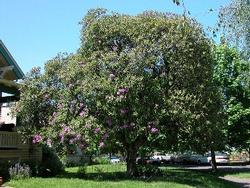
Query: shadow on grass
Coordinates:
[222,170]
[180,176]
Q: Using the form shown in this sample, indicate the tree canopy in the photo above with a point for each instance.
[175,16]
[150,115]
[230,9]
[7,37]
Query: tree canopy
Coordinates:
[232,75]
[135,80]
[234,19]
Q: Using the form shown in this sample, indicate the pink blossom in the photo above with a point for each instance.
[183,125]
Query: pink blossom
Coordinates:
[71,141]
[82,113]
[62,138]
[154,130]
[78,137]
[122,91]
[101,145]
[124,111]
[114,48]
[67,129]
[54,114]
[105,136]
[97,130]
[81,104]
[37,138]
[125,126]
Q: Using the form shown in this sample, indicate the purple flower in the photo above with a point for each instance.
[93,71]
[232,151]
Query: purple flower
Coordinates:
[78,137]
[105,136]
[81,104]
[37,138]
[122,91]
[67,129]
[125,126]
[101,145]
[82,113]
[154,130]
[71,141]
[62,138]
[114,48]
[124,111]
[97,130]
[54,114]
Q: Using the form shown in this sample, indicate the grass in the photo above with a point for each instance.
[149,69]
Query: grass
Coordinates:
[114,176]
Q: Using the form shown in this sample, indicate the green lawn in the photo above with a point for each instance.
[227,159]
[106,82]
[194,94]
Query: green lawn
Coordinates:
[113,176]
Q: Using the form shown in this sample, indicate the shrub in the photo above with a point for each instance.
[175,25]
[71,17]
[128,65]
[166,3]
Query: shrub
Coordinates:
[4,168]
[51,164]
[19,171]
[148,170]
[101,160]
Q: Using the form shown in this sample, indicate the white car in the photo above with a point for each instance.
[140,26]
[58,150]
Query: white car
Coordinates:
[163,158]
[114,160]
[220,158]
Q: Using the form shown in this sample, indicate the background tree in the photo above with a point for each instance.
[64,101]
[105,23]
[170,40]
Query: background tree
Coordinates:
[234,20]
[232,75]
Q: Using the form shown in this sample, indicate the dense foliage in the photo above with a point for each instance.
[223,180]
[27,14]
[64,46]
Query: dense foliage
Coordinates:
[232,75]
[135,81]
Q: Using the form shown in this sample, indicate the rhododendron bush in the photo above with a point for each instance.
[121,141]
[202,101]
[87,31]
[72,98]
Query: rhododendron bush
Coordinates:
[134,80]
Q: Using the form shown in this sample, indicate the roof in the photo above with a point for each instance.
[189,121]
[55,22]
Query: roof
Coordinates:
[7,60]
[9,87]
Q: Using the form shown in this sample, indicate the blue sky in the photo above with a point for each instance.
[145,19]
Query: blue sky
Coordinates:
[34,31]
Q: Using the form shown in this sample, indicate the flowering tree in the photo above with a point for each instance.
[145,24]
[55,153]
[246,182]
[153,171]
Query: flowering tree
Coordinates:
[148,77]
[135,80]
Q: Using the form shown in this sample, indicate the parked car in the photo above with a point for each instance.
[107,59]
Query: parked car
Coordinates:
[114,160]
[182,158]
[164,158]
[220,158]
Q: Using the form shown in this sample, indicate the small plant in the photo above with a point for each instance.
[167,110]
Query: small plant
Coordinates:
[19,171]
[102,160]
[82,170]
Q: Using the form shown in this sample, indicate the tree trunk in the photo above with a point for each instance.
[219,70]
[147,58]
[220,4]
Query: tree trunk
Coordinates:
[213,161]
[248,155]
[131,161]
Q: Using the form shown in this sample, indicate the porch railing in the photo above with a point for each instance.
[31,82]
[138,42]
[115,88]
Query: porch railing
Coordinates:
[9,139]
